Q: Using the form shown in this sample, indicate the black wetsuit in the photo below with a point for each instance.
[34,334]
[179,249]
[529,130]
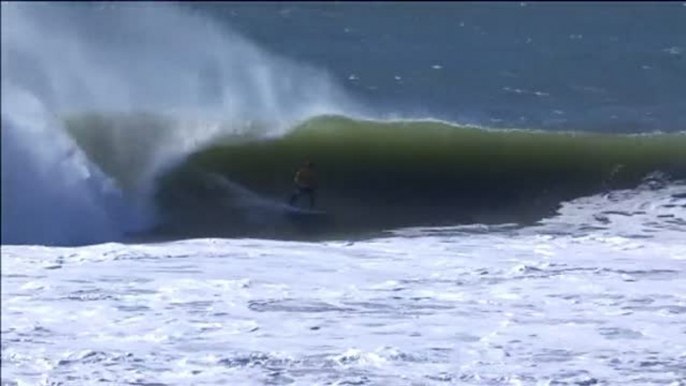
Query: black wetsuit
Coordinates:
[305,185]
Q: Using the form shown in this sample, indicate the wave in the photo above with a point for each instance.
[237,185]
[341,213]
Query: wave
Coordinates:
[50,190]
[376,175]
[155,78]
[159,117]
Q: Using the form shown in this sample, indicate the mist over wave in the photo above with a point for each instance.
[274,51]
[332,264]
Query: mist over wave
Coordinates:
[50,191]
[60,60]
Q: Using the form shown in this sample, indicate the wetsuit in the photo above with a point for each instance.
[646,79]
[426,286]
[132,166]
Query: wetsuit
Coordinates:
[305,184]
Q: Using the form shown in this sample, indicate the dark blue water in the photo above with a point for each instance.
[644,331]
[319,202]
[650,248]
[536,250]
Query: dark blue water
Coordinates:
[616,67]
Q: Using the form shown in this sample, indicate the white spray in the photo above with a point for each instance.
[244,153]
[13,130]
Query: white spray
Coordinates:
[201,80]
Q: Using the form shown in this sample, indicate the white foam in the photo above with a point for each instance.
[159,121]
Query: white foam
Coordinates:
[417,308]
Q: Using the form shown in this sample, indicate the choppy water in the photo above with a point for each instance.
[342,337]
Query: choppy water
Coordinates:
[611,66]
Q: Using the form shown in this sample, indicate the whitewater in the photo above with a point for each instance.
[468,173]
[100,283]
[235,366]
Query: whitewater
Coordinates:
[568,302]
[147,151]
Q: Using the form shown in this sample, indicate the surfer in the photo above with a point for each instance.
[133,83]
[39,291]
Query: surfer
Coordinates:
[305,183]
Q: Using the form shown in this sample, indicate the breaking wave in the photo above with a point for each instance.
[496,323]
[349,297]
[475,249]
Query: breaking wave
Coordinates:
[377,175]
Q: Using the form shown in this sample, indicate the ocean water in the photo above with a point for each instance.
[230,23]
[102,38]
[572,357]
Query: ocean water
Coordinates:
[504,187]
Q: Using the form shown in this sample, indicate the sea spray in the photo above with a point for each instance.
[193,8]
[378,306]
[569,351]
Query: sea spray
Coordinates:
[124,64]
[50,190]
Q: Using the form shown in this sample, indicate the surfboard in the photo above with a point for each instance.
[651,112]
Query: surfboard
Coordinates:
[308,217]
[294,210]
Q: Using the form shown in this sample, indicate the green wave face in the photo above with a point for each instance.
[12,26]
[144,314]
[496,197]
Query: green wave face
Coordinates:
[375,175]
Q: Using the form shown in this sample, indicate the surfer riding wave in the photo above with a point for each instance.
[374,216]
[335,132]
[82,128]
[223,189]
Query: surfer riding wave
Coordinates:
[305,184]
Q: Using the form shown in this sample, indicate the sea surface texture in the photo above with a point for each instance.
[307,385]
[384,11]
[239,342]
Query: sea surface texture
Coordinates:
[501,200]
